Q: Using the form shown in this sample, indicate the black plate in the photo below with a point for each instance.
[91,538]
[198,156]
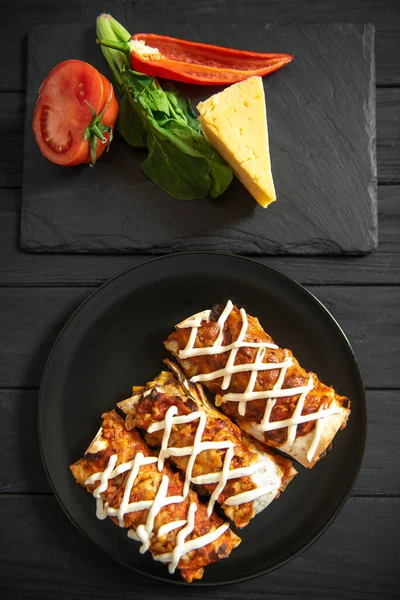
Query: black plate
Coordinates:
[114,340]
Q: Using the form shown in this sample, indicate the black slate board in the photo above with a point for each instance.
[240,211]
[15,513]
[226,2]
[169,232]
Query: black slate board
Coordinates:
[321,114]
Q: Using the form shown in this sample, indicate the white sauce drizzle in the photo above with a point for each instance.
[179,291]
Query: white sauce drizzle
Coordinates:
[315,440]
[301,419]
[232,474]
[189,352]
[250,495]
[229,454]
[220,477]
[185,547]
[145,532]
[195,320]
[168,527]
[252,381]
[254,368]
[103,510]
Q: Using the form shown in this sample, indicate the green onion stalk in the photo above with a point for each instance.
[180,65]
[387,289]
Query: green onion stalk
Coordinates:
[109,30]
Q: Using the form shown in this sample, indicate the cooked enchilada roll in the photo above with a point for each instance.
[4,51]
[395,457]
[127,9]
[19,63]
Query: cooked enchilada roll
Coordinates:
[123,476]
[259,384]
[212,452]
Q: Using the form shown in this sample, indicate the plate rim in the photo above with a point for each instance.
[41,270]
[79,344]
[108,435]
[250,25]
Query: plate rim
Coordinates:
[360,386]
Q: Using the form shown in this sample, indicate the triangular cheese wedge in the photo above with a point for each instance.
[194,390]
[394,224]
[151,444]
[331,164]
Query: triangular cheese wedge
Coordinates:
[235,124]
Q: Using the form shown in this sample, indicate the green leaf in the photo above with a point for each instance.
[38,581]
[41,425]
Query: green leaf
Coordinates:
[180,134]
[130,125]
[221,174]
[184,107]
[138,84]
[156,101]
[195,145]
[177,173]
[138,81]
[182,146]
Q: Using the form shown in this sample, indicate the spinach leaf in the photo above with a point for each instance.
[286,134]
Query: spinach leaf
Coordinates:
[180,160]
[183,106]
[193,144]
[130,125]
[176,172]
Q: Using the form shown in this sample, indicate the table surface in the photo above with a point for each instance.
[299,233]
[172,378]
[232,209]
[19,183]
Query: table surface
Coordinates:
[42,554]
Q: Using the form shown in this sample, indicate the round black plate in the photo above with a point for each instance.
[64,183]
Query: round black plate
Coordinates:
[114,340]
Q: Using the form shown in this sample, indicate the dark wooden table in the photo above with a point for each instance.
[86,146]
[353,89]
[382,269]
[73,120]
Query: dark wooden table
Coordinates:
[41,553]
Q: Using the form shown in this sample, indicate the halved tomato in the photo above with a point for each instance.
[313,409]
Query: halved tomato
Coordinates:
[75,114]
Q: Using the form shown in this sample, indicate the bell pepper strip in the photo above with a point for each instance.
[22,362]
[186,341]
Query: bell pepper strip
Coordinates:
[193,62]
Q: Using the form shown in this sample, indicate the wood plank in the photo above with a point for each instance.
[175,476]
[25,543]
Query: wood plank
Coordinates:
[30,320]
[32,317]
[387,47]
[381,458]
[12,107]
[23,268]
[44,556]
[388,134]
[384,15]
[369,316]
[21,468]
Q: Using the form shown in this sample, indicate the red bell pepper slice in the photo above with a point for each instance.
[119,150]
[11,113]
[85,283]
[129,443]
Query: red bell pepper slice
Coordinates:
[193,62]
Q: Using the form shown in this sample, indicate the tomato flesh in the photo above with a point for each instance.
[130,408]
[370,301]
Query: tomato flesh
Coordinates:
[53,130]
[62,112]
